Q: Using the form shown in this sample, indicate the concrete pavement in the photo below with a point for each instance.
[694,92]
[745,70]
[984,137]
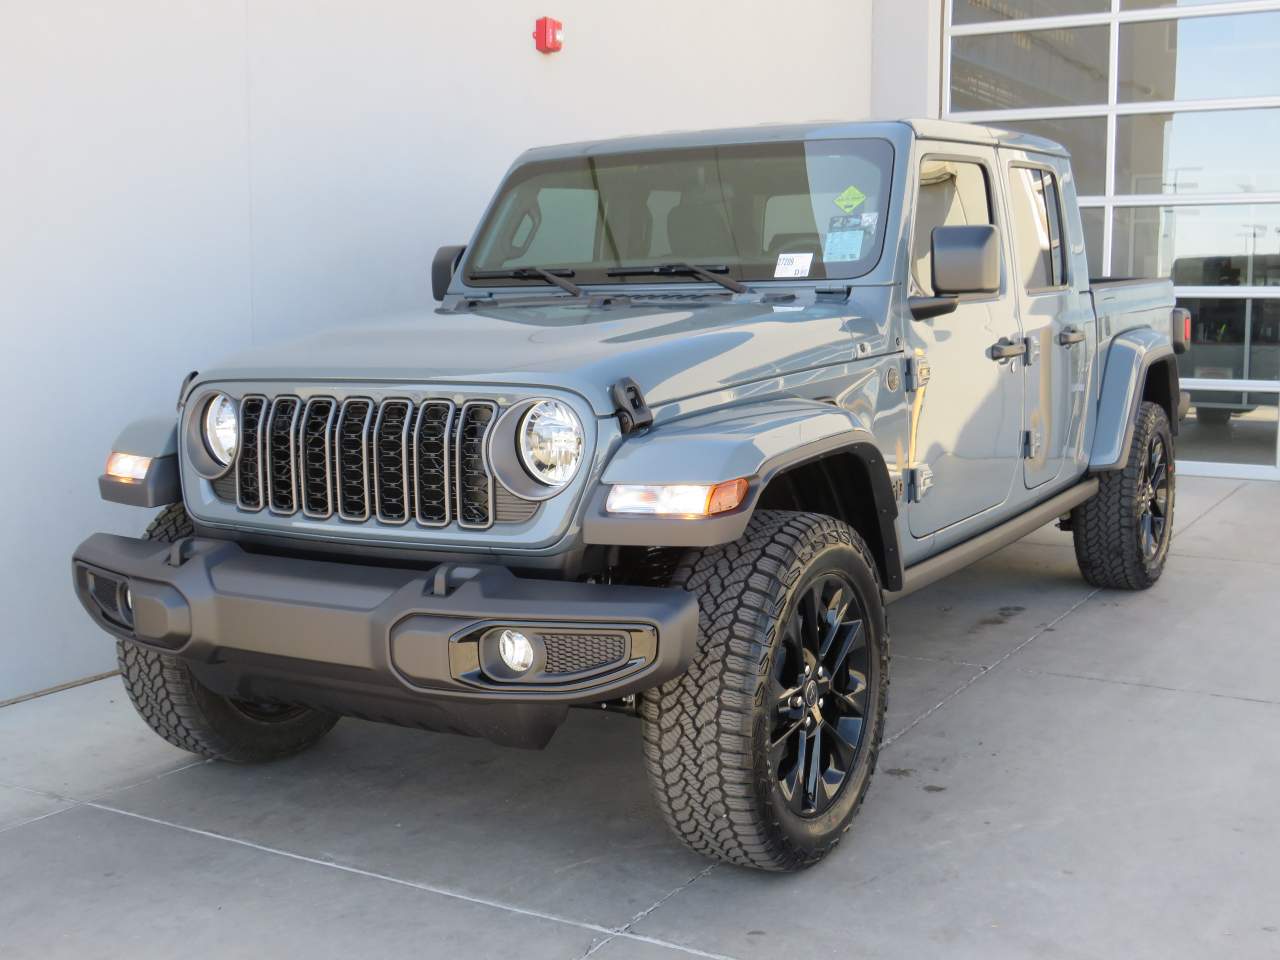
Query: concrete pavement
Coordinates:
[1068,773]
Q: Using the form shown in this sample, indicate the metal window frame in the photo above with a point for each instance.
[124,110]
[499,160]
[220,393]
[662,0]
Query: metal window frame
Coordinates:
[1110,200]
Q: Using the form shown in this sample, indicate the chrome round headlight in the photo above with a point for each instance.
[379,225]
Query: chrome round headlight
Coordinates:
[550,440]
[221,428]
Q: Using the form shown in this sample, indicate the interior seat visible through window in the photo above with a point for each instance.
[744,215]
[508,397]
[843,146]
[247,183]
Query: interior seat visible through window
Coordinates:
[951,193]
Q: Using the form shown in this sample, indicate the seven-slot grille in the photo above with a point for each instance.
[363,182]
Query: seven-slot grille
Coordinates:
[392,461]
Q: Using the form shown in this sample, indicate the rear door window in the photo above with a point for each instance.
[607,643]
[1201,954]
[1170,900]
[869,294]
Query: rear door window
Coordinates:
[1037,228]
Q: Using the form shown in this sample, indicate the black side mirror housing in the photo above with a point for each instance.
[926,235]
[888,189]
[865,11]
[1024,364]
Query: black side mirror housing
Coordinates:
[443,266]
[966,259]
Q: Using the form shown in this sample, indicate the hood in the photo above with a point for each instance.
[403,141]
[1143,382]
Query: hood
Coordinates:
[675,349]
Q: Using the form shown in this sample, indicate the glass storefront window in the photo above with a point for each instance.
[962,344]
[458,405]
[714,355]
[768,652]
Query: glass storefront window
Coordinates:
[1231,340]
[1229,151]
[1200,58]
[1085,137]
[997,11]
[1240,429]
[1093,220]
[1153,4]
[1037,68]
[1212,246]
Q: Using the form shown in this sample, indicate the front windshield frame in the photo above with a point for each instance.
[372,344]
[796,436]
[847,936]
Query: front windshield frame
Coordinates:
[874,155]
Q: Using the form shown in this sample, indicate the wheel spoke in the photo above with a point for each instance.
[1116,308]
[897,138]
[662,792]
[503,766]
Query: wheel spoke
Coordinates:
[784,698]
[811,632]
[793,785]
[851,638]
[1147,535]
[1158,477]
[815,765]
[833,616]
[844,735]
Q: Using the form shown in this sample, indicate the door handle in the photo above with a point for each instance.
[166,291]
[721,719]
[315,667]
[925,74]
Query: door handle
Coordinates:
[1006,349]
[1071,335]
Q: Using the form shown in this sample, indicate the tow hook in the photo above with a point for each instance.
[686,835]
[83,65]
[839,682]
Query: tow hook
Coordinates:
[633,413]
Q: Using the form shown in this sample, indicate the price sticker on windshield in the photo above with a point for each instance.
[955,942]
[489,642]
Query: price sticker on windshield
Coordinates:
[792,266]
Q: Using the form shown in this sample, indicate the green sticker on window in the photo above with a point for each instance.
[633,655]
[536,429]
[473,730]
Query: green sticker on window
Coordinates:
[851,199]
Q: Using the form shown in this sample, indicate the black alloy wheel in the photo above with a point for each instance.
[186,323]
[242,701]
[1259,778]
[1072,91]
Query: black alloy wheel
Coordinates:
[1154,494]
[819,688]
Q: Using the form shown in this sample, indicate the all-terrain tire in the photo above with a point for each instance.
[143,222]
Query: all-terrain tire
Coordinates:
[189,715]
[706,733]
[1108,528]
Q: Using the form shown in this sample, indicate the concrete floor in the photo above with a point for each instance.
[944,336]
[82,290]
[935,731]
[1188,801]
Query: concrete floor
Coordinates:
[1068,773]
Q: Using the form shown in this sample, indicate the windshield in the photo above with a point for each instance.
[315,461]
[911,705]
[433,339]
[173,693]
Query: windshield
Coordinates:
[798,210]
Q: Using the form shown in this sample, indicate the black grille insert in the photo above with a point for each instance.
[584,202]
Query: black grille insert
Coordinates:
[475,482]
[249,464]
[431,436]
[353,459]
[282,439]
[576,652]
[316,443]
[391,460]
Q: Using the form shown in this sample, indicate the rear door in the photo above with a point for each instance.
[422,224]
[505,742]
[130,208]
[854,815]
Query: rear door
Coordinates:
[1056,316]
[966,420]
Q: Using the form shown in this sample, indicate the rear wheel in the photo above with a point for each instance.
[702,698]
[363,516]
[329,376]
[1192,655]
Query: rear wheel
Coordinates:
[1213,416]
[189,715]
[1122,533]
[761,754]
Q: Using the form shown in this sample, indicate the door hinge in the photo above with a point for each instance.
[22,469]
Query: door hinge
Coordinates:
[1031,444]
[919,481]
[916,374]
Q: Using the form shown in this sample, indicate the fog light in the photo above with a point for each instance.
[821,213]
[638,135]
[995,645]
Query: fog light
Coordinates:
[516,650]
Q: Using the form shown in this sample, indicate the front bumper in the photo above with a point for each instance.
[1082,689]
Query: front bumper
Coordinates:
[406,646]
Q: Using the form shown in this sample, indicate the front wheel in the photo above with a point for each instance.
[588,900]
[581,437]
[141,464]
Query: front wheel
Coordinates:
[761,754]
[189,715]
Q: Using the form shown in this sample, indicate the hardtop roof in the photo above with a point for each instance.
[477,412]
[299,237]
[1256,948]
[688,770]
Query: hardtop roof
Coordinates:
[894,130]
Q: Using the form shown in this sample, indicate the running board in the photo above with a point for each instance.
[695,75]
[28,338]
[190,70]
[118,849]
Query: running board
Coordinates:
[963,554]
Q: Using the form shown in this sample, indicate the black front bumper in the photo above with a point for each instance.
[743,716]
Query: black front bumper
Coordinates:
[404,646]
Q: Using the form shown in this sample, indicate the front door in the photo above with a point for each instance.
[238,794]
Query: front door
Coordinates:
[966,421]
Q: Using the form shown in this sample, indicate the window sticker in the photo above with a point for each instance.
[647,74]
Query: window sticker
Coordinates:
[844,239]
[851,199]
[792,265]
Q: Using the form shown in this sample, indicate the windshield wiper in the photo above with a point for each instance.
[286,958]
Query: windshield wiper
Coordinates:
[712,274]
[555,277]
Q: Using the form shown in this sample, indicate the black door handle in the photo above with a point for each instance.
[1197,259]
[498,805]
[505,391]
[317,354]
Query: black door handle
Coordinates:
[1006,349]
[1070,335]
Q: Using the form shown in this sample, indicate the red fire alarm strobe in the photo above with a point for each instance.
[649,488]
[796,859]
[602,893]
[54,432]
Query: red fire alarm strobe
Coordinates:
[548,35]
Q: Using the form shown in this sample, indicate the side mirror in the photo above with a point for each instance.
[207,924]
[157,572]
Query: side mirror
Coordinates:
[965,260]
[443,266]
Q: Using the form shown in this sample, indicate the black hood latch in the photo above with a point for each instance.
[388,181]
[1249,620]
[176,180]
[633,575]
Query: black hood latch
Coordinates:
[633,413]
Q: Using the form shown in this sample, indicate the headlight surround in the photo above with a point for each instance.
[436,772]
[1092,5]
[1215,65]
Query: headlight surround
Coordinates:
[221,428]
[550,440]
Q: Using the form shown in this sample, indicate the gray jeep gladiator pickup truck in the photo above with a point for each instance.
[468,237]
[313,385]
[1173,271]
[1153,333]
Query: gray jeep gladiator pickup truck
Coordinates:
[692,410]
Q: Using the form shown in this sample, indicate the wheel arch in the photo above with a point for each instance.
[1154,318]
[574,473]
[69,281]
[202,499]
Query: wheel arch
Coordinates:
[1140,366]
[796,454]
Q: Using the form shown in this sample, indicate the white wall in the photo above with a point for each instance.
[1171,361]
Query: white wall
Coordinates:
[180,179]
[906,61]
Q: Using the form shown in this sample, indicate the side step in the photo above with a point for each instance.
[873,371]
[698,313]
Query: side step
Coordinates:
[962,555]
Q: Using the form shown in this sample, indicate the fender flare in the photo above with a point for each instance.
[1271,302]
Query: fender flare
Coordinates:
[1129,360]
[757,442]
[157,438]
